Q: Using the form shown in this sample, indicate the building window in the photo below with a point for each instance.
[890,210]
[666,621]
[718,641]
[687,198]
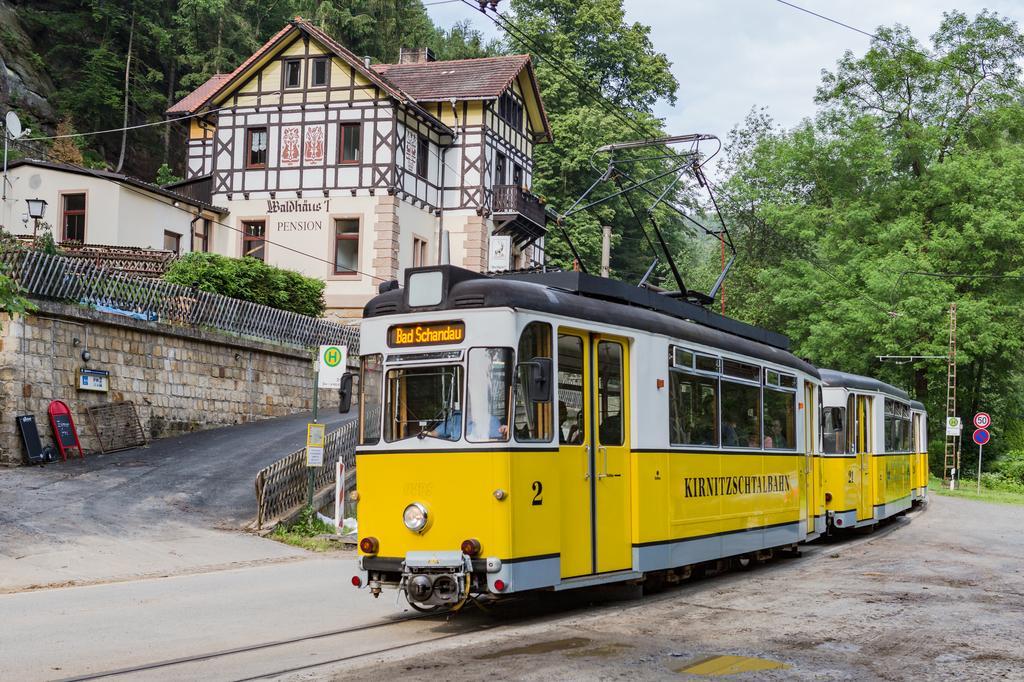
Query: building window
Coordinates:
[256,148]
[517,175]
[419,252]
[292,73]
[511,110]
[422,156]
[501,169]
[254,233]
[201,235]
[73,217]
[318,72]
[346,246]
[172,241]
[349,142]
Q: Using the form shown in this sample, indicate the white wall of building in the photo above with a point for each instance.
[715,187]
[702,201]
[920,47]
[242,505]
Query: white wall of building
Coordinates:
[115,215]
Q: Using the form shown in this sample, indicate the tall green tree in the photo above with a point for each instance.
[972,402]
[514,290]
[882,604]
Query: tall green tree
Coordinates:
[913,164]
[597,72]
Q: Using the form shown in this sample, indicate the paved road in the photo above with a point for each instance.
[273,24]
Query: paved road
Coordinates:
[147,511]
[932,596]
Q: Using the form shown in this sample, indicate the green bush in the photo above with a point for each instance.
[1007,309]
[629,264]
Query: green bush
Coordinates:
[249,279]
[1011,466]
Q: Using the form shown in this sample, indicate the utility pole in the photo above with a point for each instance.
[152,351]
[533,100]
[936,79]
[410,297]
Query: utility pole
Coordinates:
[951,460]
[606,250]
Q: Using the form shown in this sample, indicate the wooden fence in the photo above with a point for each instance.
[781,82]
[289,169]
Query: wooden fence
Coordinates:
[79,281]
[281,488]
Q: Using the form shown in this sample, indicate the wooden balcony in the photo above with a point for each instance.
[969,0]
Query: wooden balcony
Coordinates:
[518,213]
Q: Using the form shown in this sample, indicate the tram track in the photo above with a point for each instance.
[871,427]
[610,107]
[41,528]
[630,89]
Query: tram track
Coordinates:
[279,658]
[179,667]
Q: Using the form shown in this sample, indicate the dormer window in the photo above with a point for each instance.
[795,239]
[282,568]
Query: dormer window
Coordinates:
[292,73]
[319,68]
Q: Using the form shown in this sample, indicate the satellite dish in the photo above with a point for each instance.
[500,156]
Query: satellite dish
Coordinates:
[13,125]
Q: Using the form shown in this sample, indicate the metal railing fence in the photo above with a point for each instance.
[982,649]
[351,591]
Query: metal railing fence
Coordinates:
[281,487]
[75,280]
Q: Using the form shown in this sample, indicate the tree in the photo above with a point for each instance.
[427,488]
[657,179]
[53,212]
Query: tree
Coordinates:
[165,176]
[600,78]
[913,164]
[66,149]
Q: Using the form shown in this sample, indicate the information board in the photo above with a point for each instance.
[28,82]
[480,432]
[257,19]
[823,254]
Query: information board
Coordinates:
[315,436]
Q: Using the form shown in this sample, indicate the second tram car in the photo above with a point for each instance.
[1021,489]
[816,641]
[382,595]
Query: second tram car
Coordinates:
[874,450]
[559,430]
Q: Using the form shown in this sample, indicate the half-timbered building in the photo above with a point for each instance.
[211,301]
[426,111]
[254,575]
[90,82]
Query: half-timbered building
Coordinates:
[352,171]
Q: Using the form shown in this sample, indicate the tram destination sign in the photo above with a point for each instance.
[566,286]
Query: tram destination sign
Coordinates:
[431,334]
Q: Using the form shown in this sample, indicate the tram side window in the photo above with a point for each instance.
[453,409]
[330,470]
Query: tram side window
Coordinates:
[693,409]
[534,421]
[609,393]
[370,389]
[571,420]
[833,430]
[779,419]
[851,427]
[423,401]
[741,415]
[490,379]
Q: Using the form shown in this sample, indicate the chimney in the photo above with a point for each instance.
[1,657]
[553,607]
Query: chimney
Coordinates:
[415,55]
[366,61]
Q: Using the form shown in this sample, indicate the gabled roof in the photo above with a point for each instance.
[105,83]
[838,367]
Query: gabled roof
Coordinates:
[196,100]
[464,79]
[483,78]
[118,178]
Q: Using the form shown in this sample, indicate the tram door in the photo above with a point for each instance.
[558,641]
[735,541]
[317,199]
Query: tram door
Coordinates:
[865,505]
[810,482]
[575,439]
[593,454]
[610,423]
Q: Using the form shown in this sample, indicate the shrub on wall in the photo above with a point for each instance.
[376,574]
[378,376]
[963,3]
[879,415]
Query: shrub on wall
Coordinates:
[249,279]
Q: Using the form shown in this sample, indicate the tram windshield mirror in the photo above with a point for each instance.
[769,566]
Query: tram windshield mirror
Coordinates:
[535,375]
[345,394]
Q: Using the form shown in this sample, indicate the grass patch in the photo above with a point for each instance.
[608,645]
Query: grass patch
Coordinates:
[304,532]
[969,490]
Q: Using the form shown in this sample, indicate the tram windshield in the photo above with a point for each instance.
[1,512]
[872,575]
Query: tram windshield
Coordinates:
[430,402]
[423,401]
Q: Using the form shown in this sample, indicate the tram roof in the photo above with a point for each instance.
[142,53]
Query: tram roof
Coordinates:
[586,297]
[837,379]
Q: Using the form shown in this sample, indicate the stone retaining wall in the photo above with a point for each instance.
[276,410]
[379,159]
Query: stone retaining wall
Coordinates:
[180,379]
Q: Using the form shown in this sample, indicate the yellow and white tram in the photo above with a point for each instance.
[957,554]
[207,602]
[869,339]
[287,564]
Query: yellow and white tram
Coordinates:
[557,430]
[874,449]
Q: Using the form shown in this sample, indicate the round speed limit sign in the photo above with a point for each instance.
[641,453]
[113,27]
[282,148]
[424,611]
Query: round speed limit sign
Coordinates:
[982,420]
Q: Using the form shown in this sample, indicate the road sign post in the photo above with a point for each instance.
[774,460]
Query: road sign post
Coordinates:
[310,469]
[981,436]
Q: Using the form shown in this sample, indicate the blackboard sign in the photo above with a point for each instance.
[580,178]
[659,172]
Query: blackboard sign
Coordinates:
[30,437]
[64,429]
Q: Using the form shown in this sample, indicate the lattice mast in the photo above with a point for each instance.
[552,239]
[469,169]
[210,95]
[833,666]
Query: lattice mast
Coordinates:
[951,460]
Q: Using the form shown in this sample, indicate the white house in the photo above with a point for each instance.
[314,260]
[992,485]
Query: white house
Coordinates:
[97,207]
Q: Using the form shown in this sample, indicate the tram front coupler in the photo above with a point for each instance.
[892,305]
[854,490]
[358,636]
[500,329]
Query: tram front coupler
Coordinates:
[436,578]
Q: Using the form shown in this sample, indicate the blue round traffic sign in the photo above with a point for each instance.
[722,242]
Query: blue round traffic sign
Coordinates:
[981,436]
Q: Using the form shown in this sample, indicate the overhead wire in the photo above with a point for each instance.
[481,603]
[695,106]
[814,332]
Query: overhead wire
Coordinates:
[598,97]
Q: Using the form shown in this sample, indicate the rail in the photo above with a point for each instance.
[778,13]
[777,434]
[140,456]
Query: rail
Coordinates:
[281,488]
[77,280]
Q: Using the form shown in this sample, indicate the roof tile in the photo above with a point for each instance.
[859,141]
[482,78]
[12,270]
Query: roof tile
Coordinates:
[483,78]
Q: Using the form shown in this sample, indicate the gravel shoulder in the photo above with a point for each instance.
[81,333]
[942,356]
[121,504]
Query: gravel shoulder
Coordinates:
[935,595]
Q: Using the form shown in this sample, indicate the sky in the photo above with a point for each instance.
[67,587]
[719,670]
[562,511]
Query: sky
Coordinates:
[732,55]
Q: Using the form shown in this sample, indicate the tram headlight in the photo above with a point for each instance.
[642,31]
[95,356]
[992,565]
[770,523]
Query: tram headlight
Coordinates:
[415,517]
